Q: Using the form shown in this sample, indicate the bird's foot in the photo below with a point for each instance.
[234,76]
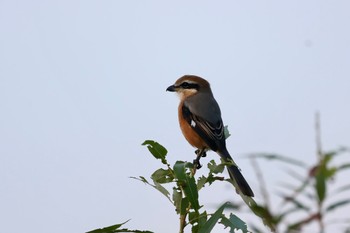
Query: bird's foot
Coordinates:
[203,153]
[197,164]
[200,153]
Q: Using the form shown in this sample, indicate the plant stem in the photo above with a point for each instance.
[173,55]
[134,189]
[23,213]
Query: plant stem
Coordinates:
[318,135]
[182,222]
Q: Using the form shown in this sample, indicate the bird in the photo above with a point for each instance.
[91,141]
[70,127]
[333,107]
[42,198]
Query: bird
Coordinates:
[202,126]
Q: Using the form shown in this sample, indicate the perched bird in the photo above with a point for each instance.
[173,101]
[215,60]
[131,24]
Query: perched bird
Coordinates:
[201,124]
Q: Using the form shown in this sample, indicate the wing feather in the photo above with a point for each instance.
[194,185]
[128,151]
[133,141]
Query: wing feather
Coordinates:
[212,133]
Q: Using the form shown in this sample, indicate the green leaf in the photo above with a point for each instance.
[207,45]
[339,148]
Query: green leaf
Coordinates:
[132,231]
[157,150]
[234,223]
[342,189]
[142,179]
[231,206]
[190,190]
[280,158]
[320,186]
[216,168]
[330,172]
[256,229]
[156,185]
[337,204]
[279,218]
[184,205]
[344,166]
[298,204]
[162,176]
[197,220]
[163,190]
[109,229]
[226,132]
[263,212]
[187,182]
[180,171]
[336,152]
[116,228]
[177,197]
[327,157]
[209,225]
[201,182]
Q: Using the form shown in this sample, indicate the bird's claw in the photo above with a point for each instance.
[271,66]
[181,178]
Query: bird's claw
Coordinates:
[200,154]
[204,153]
[197,164]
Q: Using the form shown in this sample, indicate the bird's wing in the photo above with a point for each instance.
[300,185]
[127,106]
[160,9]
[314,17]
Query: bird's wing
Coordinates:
[211,132]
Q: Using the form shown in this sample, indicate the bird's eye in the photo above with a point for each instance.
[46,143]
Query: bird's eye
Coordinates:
[185,85]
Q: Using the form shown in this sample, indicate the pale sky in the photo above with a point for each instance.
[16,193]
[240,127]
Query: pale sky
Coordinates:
[82,85]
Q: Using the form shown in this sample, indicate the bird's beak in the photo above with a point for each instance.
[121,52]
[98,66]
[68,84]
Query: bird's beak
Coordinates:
[172,88]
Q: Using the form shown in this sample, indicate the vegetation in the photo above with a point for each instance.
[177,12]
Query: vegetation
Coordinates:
[312,196]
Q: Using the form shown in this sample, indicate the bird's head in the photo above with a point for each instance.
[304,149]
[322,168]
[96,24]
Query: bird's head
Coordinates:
[189,85]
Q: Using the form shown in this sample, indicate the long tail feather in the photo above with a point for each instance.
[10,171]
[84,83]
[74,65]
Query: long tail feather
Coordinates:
[236,175]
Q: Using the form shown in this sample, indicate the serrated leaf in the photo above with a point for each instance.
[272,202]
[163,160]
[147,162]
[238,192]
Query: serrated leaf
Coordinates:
[201,182]
[210,179]
[157,150]
[234,223]
[337,204]
[209,225]
[162,176]
[226,222]
[214,168]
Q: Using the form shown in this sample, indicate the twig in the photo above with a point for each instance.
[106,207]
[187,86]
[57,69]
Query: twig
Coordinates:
[318,135]
[182,222]
[320,157]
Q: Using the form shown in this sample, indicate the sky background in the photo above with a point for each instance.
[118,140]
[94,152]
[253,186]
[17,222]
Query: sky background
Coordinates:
[82,85]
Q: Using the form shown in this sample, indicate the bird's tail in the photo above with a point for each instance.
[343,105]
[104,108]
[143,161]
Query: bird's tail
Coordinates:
[236,175]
